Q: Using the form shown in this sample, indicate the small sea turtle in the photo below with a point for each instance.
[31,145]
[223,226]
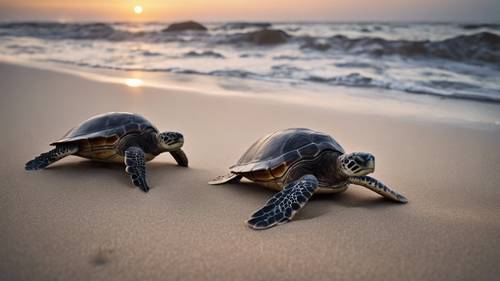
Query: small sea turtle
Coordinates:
[116,137]
[298,163]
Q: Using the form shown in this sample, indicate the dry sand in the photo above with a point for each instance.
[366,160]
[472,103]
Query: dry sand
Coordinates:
[79,220]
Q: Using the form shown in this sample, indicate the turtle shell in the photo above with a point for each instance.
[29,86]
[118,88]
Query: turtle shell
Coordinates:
[113,124]
[99,137]
[271,156]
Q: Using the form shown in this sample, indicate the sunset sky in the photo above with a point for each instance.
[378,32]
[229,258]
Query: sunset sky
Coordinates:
[262,10]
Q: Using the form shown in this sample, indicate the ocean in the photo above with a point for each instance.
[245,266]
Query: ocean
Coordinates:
[447,60]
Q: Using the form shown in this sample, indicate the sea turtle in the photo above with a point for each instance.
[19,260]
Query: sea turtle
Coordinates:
[116,137]
[297,163]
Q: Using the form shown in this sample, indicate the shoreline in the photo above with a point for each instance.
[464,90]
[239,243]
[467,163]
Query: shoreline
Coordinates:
[340,98]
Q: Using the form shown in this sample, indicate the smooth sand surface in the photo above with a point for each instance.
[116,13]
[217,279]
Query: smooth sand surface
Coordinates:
[79,220]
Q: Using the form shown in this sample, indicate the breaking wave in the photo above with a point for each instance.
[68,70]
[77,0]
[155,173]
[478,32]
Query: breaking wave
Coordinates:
[482,46]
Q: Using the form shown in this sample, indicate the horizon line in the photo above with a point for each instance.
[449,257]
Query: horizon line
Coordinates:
[252,21]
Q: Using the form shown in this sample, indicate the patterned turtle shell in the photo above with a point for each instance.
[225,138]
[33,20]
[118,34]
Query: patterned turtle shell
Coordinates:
[107,125]
[271,156]
[99,136]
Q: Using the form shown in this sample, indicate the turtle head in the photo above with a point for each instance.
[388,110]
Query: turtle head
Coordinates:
[170,141]
[356,164]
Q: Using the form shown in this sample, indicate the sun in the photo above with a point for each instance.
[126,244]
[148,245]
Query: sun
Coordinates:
[138,9]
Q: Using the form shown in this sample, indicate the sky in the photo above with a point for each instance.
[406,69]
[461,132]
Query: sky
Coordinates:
[252,10]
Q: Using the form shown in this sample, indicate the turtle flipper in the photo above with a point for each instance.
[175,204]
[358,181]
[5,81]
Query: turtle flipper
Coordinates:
[136,167]
[229,178]
[285,204]
[180,157]
[52,156]
[378,187]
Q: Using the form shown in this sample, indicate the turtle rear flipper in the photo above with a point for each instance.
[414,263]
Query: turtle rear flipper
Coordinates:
[378,187]
[52,156]
[136,167]
[229,178]
[285,204]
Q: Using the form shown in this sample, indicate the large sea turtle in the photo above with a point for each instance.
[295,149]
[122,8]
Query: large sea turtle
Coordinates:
[298,163]
[116,137]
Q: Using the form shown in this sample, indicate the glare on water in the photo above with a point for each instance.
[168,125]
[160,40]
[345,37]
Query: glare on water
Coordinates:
[133,82]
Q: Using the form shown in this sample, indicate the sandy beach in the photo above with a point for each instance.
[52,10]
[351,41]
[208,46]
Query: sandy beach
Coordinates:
[80,220]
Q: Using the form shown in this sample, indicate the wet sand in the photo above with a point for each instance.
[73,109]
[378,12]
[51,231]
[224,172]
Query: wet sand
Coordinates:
[80,220]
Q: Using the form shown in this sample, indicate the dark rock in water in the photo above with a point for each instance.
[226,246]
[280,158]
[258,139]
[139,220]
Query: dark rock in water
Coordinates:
[194,54]
[243,25]
[481,25]
[268,37]
[185,26]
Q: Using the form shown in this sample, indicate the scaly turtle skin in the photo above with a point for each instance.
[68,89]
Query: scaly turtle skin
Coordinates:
[298,163]
[116,137]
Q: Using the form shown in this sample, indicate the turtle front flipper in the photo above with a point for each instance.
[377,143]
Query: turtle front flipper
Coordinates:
[136,167]
[285,204]
[180,157]
[52,156]
[378,187]
[229,178]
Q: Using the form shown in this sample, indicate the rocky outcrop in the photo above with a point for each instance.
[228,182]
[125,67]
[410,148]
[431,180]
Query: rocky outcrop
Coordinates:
[243,25]
[185,26]
[268,37]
